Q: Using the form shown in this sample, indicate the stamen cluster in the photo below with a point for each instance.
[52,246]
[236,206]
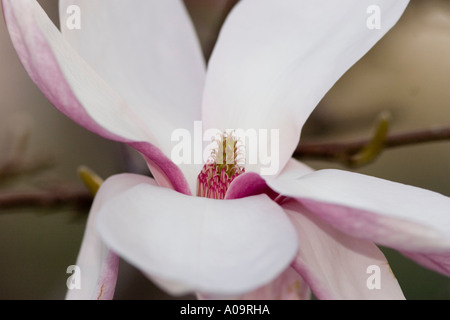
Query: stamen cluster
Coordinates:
[224,165]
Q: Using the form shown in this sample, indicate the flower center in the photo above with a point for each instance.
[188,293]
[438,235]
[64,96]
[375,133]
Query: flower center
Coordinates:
[224,165]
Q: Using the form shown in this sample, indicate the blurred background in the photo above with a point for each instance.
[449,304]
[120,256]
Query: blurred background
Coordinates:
[406,73]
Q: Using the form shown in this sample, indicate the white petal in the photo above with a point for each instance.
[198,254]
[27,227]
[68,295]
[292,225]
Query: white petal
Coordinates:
[65,79]
[275,60]
[412,220]
[148,52]
[336,265]
[250,183]
[227,247]
[389,213]
[99,265]
[287,286]
[294,169]
[79,92]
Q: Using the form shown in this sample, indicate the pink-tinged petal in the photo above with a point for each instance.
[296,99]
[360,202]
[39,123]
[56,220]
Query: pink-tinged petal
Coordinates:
[226,247]
[106,284]
[247,185]
[275,60]
[406,218]
[250,183]
[148,52]
[438,262]
[166,173]
[99,265]
[64,78]
[75,89]
[336,265]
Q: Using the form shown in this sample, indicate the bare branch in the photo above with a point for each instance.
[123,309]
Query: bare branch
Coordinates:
[342,152]
[80,198]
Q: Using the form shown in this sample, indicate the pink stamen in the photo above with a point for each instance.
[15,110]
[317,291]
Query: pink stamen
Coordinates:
[223,167]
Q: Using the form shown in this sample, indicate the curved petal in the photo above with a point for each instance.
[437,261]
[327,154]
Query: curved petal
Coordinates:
[275,60]
[148,52]
[294,169]
[74,88]
[438,262]
[64,78]
[287,286]
[247,185]
[225,247]
[410,219]
[166,173]
[250,183]
[98,264]
[336,265]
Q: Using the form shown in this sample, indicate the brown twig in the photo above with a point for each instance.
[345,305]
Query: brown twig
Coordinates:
[344,150]
[79,198]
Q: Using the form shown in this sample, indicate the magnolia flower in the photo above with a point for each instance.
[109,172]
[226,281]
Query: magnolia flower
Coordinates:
[134,73]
